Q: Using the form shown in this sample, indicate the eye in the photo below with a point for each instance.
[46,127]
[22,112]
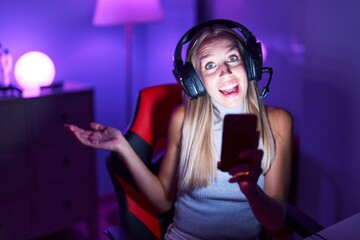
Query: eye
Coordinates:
[233,58]
[210,65]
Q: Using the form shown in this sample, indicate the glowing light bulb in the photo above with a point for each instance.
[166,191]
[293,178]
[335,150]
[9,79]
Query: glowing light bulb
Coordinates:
[34,70]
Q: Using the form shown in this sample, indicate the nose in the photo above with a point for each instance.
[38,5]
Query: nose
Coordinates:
[224,69]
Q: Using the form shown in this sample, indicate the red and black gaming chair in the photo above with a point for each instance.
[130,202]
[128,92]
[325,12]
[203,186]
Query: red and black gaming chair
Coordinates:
[147,135]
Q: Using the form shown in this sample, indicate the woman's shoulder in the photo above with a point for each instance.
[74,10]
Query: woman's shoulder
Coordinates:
[175,124]
[178,115]
[273,111]
[179,112]
[279,117]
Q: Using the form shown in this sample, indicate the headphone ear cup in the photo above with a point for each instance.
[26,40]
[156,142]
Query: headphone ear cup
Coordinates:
[196,86]
[254,61]
[189,80]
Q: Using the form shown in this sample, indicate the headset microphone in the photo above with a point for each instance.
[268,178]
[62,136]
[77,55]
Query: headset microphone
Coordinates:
[266,89]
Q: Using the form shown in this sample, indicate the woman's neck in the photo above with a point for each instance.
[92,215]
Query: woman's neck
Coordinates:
[225,110]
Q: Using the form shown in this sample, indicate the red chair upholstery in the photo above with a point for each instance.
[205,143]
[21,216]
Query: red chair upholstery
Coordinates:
[147,135]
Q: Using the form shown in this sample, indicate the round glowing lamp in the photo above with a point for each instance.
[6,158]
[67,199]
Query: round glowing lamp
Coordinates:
[32,71]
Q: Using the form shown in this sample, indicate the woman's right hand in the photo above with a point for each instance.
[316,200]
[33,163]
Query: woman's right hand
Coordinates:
[99,136]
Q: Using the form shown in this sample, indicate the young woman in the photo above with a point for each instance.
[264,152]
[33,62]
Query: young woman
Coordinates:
[209,203]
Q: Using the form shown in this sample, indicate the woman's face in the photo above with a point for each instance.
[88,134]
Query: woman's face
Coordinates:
[222,71]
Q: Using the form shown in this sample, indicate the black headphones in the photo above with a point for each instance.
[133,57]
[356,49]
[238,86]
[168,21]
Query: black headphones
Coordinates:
[186,74]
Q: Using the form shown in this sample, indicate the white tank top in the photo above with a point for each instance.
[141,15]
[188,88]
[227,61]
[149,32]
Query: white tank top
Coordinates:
[218,211]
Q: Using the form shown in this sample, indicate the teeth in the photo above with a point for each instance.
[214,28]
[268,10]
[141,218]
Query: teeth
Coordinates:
[230,86]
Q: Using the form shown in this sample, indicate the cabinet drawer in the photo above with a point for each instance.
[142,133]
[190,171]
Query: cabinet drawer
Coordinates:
[12,122]
[49,114]
[15,219]
[14,173]
[64,205]
[64,164]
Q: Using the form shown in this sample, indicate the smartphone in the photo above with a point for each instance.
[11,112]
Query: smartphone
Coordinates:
[239,133]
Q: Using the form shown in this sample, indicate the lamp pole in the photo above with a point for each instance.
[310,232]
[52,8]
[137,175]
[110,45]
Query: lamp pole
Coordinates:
[128,70]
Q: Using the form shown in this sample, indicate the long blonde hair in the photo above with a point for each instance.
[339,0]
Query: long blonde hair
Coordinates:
[197,166]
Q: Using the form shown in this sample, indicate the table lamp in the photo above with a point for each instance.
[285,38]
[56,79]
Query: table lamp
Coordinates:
[32,71]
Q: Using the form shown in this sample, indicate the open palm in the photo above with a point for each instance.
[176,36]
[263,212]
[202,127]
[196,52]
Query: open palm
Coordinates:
[99,136]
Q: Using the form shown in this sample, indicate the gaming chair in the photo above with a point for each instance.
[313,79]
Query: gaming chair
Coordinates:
[147,135]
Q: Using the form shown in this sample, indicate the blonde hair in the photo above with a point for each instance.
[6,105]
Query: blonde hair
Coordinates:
[197,166]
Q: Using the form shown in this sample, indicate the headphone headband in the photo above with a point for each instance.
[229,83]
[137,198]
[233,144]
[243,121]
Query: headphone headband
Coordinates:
[191,33]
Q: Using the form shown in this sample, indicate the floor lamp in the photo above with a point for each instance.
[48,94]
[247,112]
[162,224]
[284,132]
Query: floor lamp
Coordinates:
[127,13]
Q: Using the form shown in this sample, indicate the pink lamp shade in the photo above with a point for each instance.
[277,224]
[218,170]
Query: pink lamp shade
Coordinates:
[112,12]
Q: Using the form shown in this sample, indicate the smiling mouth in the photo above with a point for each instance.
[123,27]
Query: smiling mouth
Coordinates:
[230,89]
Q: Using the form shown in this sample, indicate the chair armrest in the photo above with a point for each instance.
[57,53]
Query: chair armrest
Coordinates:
[117,233]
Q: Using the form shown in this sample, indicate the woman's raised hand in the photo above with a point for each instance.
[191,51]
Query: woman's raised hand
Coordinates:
[246,174]
[99,136]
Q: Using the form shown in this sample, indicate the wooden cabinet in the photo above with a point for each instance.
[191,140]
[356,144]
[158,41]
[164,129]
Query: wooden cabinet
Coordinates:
[47,180]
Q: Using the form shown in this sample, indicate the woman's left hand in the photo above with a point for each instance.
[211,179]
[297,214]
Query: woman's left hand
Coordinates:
[247,173]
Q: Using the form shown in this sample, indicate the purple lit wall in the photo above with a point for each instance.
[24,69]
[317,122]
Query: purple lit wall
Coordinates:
[331,112]
[312,46]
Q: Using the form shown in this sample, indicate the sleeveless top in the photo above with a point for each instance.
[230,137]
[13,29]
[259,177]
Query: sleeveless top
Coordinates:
[217,211]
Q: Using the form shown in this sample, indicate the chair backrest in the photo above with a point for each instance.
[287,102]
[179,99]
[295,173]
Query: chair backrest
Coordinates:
[147,135]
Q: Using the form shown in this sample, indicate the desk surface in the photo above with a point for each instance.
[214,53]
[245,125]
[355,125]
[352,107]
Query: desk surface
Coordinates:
[348,228]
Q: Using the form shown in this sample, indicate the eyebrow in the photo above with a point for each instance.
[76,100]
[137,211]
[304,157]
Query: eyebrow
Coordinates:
[231,47]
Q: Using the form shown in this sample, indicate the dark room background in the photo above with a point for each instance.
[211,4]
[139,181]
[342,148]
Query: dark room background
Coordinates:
[312,46]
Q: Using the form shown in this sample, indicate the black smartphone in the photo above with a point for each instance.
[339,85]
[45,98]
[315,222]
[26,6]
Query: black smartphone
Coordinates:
[239,133]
